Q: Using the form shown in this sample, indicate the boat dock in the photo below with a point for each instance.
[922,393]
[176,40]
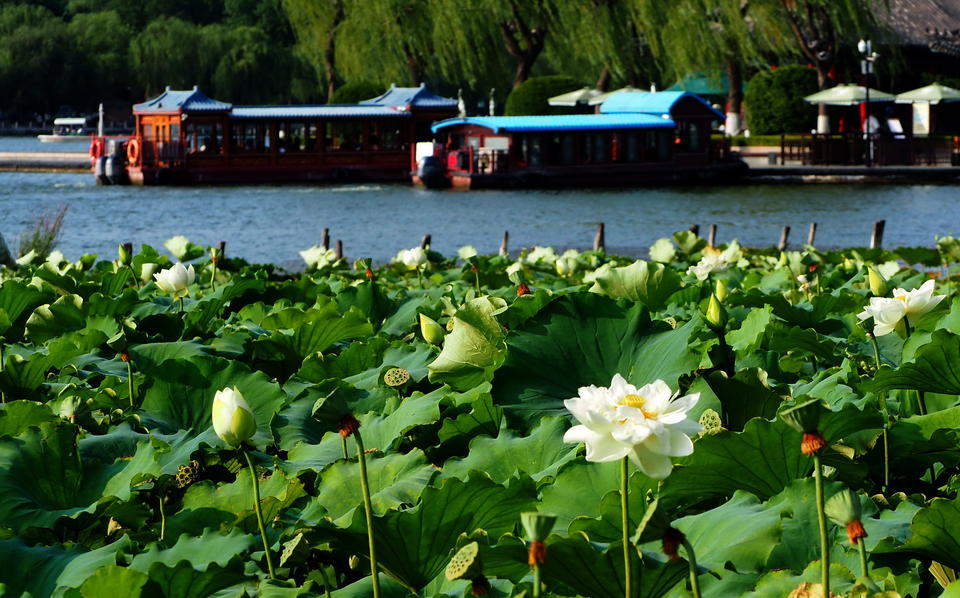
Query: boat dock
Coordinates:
[45,161]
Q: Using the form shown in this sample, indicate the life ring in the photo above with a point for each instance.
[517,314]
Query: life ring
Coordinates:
[133,150]
[96,147]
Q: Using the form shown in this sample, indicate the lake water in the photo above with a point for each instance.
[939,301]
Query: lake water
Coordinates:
[32,144]
[271,223]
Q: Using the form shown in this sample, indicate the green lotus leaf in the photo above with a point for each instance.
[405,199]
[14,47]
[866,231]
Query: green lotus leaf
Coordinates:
[51,570]
[922,440]
[369,298]
[649,283]
[745,396]
[183,580]
[364,589]
[112,580]
[415,545]
[299,333]
[194,382]
[591,570]
[935,533]
[394,480]
[482,418]
[584,339]
[777,584]
[17,416]
[22,377]
[209,549]
[538,455]
[747,338]
[277,492]
[474,348]
[150,357]
[308,451]
[202,313]
[934,368]
[762,459]
[19,297]
[43,478]
[53,319]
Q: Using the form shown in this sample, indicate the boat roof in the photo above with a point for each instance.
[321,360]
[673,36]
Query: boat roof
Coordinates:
[649,102]
[317,111]
[562,122]
[415,97]
[172,100]
[70,120]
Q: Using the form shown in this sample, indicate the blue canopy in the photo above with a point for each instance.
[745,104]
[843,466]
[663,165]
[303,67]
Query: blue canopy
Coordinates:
[192,100]
[415,97]
[649,102]
[560,122]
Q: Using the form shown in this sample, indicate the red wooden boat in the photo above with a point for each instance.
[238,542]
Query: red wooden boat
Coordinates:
[637,137]
[187,137]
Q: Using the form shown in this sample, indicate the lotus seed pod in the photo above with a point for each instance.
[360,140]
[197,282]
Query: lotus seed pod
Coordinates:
[711,421]
[465,564]
[878,284]
[396,377]
[431,331]
[843,507]
[537,525]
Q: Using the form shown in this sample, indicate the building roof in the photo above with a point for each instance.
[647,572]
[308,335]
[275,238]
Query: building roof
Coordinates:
[317,111]
[561,122]
[931,23]
[192,100]
[411,97]
[649,102]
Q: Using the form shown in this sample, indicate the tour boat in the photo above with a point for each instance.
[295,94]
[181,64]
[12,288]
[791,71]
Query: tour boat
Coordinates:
[637,137]
[67,129]
[185,137]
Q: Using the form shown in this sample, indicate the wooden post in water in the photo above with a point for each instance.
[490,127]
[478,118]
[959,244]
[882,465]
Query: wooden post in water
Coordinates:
[784,236]
[876,239]
[339,249]
[695,229]
[325,239]
[221,250]
[812,233]
[504,243]
[425,241]
[712,236]
[5,258]
[599,243]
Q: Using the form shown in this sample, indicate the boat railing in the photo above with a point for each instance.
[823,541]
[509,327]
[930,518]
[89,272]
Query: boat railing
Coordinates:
[855,149]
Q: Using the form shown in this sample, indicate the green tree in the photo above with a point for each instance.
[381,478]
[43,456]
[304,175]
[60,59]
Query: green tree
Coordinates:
[168,52]
[101,39]
[774,100]
[315,26]
[530,97]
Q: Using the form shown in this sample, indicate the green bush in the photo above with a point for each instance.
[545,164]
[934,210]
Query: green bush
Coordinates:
[774,101]
[530,97]
[356,91]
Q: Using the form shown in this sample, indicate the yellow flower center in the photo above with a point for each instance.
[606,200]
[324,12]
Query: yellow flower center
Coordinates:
[637,402]
[901,298]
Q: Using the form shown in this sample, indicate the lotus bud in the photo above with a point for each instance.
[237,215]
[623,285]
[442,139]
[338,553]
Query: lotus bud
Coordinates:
[113,527]
[805,418]
[721,291]
[353,562]
[878,284]
[716,314]
[233,421]
[147,270]
[844,510]
[124,253]
[430,330]
[176,279]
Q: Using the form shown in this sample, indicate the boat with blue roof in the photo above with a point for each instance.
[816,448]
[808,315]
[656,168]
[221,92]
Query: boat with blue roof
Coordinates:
[636,137]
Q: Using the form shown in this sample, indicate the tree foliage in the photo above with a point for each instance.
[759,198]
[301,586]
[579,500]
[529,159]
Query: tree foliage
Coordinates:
[531,96]
[775,103]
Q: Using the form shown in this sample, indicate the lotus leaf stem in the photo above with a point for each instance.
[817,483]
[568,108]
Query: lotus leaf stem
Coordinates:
[625,525]
[213,276]
[343,445]
[259,511]
[136,279]
[130,381]
[536,581]
[921,403]
[163,519]
[326,581]
[864,568]
[886,420]
[822,521]
[368,512]
[692,562]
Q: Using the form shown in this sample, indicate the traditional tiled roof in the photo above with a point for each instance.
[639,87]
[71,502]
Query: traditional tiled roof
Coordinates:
[318,111]
[934,24]
[649,102]
[414,97]
[562,122]
[172,100]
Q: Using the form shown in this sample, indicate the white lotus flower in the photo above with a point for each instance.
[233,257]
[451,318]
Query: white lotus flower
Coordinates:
[647,424]
[803,282]
[318,257]
[466,252]
[412,258]
[175,279]
[888,311]
[233,420]
[540,254]
[713,259]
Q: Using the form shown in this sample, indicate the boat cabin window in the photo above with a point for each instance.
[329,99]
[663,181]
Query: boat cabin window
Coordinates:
[385,135]
[345,135]
[631,147]
[689,137]
[291,137]
[250,137]
[532,150]
[455,141]
[601,147]
[203,138]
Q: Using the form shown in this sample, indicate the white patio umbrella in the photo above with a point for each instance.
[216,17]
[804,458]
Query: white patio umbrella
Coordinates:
[848,95]
[574,98]
[933,94]
[602,97]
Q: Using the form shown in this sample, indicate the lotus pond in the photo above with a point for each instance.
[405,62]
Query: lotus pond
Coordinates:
[711,422]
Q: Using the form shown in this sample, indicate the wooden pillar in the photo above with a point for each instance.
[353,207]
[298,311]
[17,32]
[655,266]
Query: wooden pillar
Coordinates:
[812,233]
[599,241]
[325,239]
[784,237]
[504,243]
[425,241]
[876,239]
[712,235]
